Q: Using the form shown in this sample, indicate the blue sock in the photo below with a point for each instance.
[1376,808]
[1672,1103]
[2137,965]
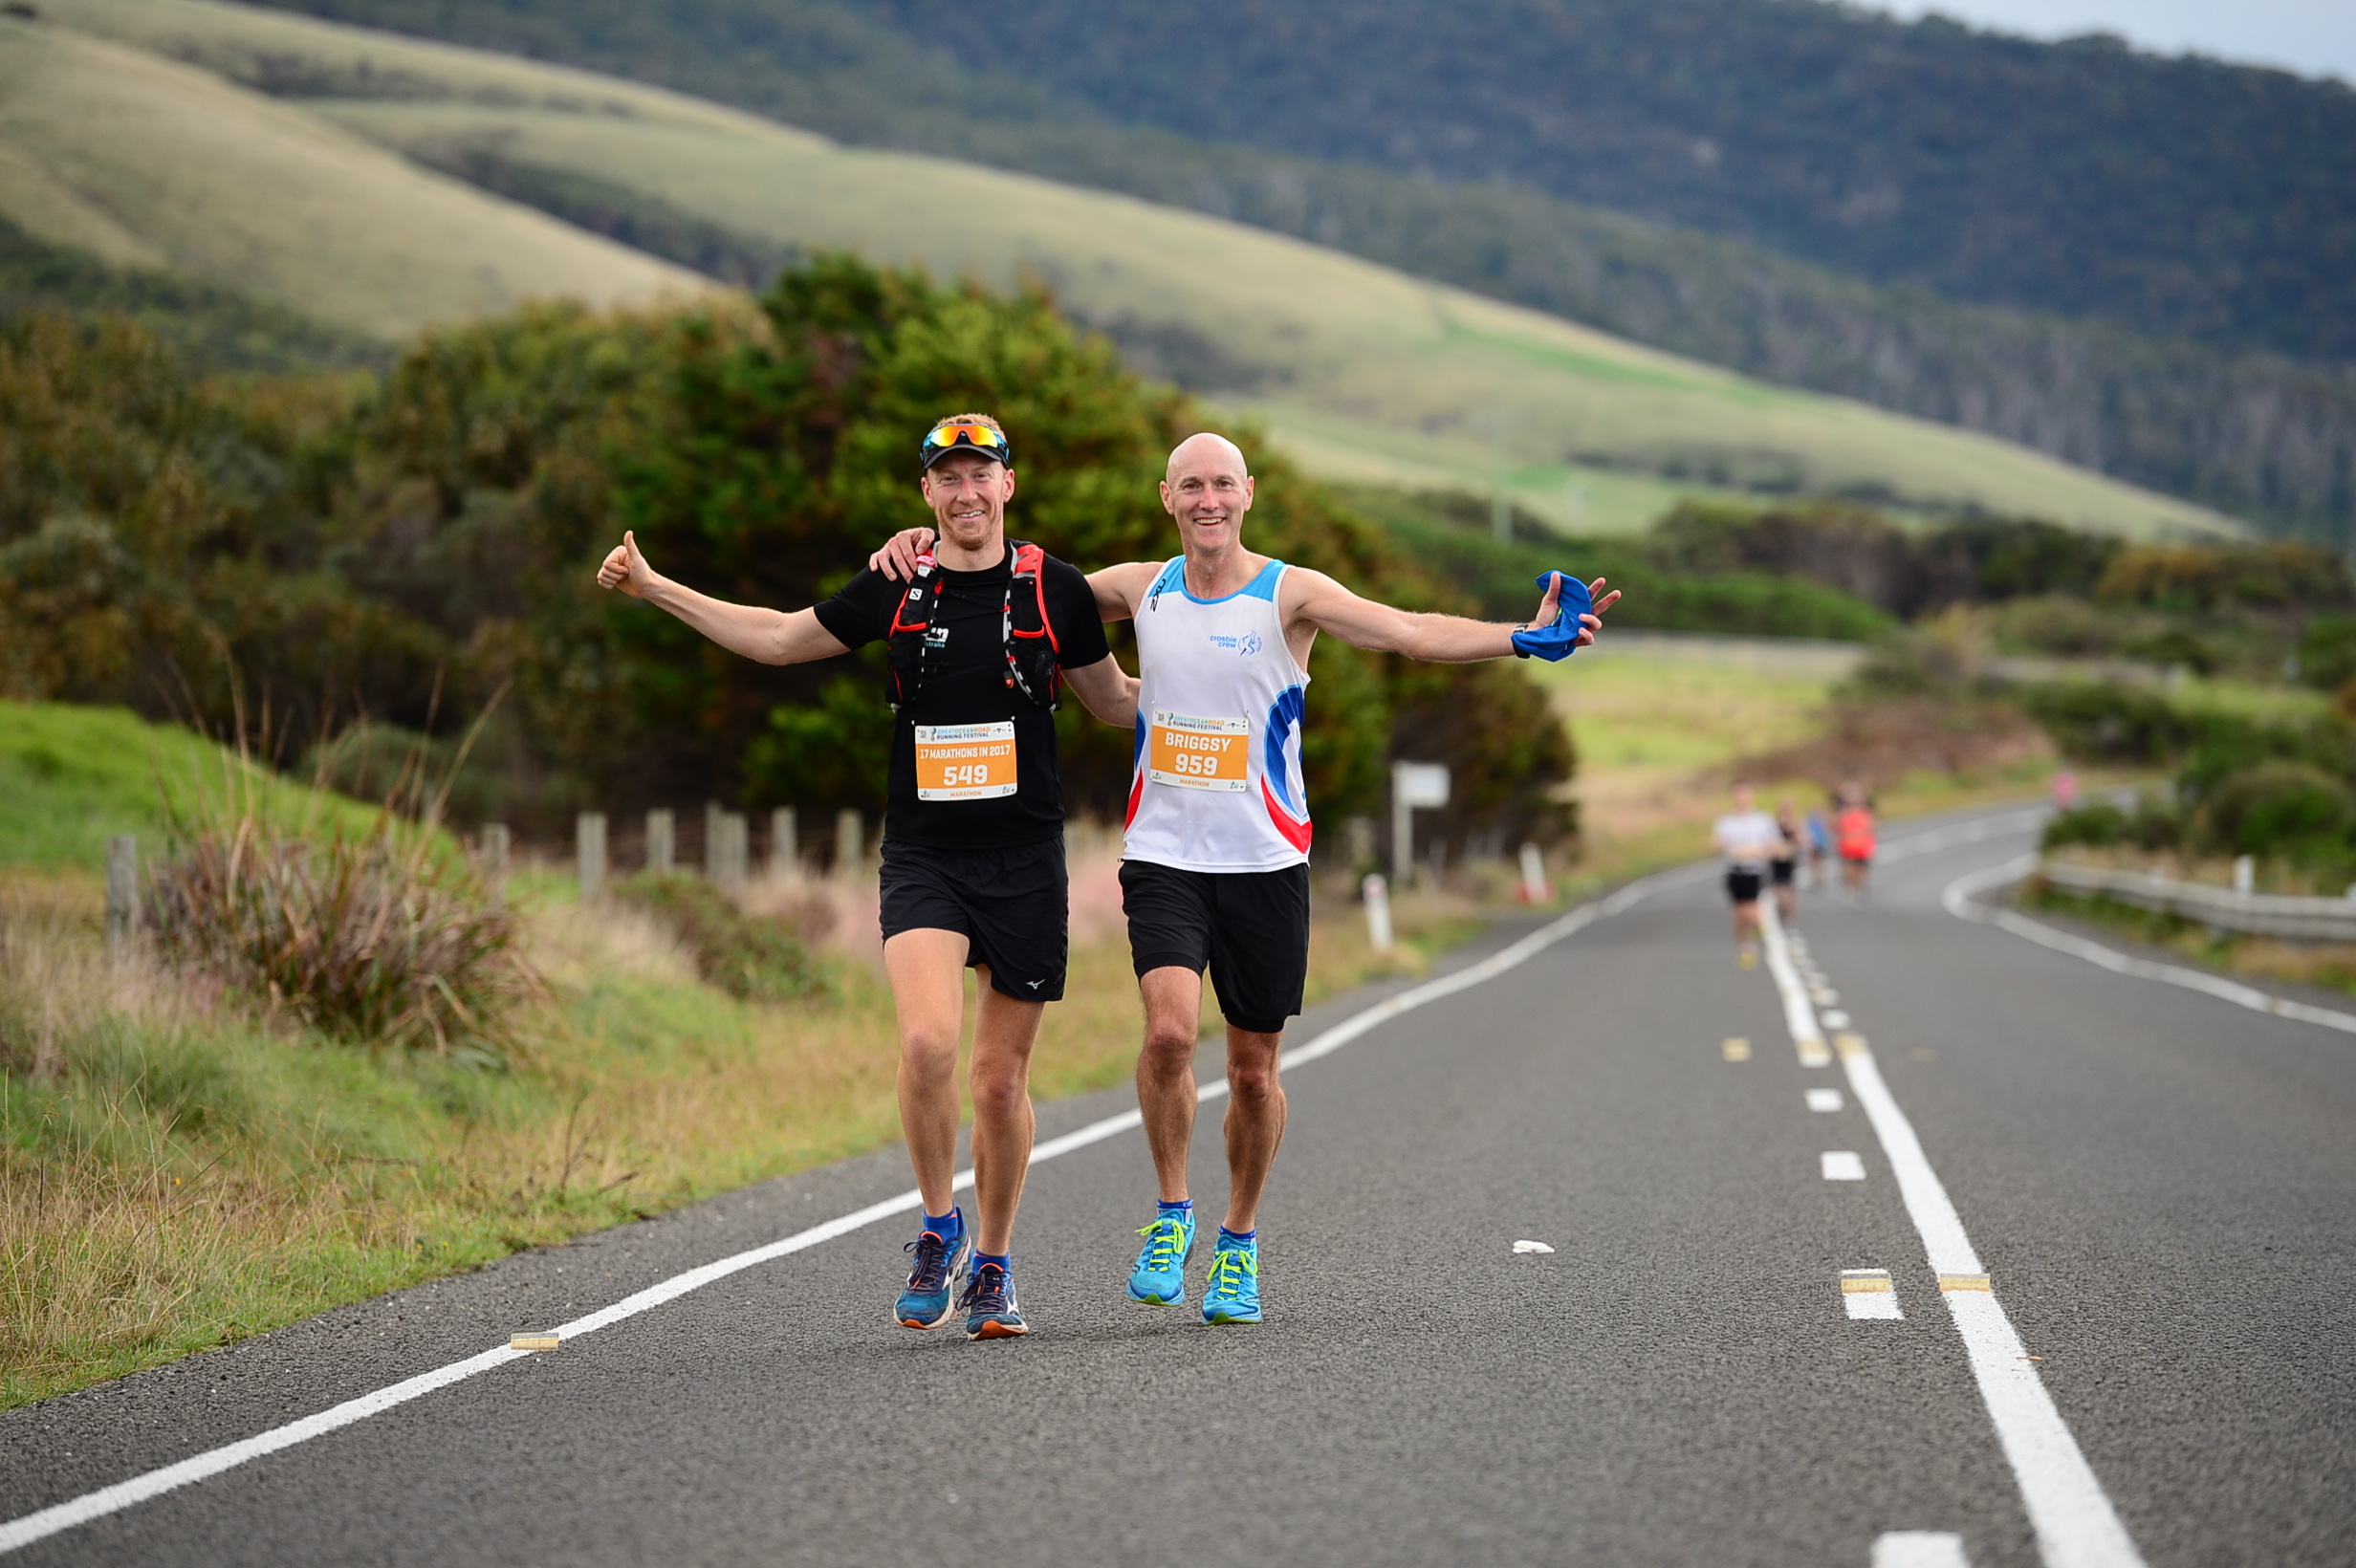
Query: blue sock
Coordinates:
[1184,1207]
[1247,1237]
[946,1226]
[998,1259]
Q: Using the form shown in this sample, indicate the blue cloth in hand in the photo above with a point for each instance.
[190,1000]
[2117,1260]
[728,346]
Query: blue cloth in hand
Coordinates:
[1561,640]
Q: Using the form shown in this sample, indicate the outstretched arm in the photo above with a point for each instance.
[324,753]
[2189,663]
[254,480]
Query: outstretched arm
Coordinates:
[770,636]
[1440,639]
[1108,690]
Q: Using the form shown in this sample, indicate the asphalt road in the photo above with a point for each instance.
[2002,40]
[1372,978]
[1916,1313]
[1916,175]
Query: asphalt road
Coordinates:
[2162,1187]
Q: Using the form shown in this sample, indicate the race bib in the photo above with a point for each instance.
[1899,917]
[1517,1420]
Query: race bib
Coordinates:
[965,761]
[1198,753]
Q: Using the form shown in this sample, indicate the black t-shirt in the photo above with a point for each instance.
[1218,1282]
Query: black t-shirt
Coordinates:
[965,684]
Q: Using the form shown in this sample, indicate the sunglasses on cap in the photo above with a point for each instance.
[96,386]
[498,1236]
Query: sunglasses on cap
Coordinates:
[950,436]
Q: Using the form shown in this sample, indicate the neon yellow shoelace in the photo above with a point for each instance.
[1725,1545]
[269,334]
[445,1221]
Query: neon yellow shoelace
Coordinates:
[1162,1240]
[1228,1267]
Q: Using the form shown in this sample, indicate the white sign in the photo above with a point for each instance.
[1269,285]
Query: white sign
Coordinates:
[1419,784]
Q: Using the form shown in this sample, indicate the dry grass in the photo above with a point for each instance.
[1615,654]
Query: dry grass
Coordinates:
[177,1172]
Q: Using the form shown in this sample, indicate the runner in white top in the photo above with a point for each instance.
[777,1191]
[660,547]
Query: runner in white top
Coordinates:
[1216,868]
[1747,839]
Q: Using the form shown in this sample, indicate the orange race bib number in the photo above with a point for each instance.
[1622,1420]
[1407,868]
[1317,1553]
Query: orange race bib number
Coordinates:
[965,761]
[1198,753]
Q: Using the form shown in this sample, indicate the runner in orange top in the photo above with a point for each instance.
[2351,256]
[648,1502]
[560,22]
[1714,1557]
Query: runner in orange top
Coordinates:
[1853,836]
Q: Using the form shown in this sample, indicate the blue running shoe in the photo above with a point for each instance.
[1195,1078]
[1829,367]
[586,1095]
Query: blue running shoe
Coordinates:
[991,1312]
[925,1303]
[1232,1292]
[1161,1272]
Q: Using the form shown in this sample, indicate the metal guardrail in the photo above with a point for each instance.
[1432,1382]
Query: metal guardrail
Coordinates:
[2256,914]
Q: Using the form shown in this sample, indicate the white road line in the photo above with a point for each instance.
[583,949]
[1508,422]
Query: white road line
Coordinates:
[1919,1549]
[36,1526]
[1843,1165]
[1868,1294]
[1959,894]
[2076,1526]
[1824,1100]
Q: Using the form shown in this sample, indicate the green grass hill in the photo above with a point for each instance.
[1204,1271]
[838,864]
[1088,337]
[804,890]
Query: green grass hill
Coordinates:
[1368,374]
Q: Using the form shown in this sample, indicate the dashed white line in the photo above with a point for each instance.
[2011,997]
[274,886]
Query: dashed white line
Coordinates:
[2075,1523]
[1843,1165]
[1867,1293]
[1919,1549]
[1824,1100]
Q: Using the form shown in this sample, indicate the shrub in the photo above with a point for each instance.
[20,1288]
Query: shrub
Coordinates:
[370,937]
[2096,824]
[754,957]
[2275,807]
[2108,722]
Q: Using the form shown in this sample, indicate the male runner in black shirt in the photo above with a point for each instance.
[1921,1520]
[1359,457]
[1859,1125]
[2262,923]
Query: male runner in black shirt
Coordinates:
[974,871]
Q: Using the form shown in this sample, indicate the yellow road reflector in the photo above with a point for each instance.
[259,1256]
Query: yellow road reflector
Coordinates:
[532,1341]
[1736,1048]
[1850,1045]
[1812,1052]
[1864,1281]
[1963,1282]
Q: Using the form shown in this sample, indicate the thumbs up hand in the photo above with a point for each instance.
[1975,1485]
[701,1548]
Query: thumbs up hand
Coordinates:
[625,569]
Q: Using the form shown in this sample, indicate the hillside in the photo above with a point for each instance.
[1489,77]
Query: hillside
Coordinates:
[145,162]
[2249,431]
[1366,372]
[2184,197]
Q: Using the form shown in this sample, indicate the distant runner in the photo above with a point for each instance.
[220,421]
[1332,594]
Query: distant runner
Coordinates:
[1786,862]
[974,873]
[1747,840]
[1216,873]
[1853,835]
[1820,850]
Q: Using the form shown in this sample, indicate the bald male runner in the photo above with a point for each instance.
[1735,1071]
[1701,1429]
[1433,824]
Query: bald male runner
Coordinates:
[1216,869]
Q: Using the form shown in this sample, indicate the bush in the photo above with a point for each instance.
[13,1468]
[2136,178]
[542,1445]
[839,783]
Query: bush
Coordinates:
[2097,824]
[382,937]
[2276,807]
[2108,723]
[753,957]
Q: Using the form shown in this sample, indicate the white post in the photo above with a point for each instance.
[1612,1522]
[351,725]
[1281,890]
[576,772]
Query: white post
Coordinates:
[850,842]
[2245,875]
[729,863]
[589,849]
[1412,784]
[495,863]
[1534,888]
[122,893]
[661,842]
[711,841]
[1378,911]
[784,842]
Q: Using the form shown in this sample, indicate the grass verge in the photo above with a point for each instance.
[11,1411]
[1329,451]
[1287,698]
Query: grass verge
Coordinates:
[2331,964]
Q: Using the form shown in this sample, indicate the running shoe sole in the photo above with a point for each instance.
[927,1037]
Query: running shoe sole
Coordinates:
[996,1329]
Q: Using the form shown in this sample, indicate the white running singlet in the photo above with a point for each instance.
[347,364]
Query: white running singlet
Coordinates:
[1217,784]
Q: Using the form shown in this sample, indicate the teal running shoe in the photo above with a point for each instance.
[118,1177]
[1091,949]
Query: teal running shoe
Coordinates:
[1160,1277]
[991,1312]
[1232,1292]
[925,1302]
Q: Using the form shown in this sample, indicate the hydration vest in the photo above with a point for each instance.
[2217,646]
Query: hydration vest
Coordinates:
[1031,650]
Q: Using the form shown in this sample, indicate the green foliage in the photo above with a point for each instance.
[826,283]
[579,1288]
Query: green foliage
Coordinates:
[2207,577]
[409,553]
[2328,651]
[2100,722]
[2276,807]
[2149,826]
[751,957]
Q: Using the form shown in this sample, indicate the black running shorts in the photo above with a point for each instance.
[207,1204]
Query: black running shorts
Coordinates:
[1782,871]
[1251,928]
[1010,905]
[1742,886]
